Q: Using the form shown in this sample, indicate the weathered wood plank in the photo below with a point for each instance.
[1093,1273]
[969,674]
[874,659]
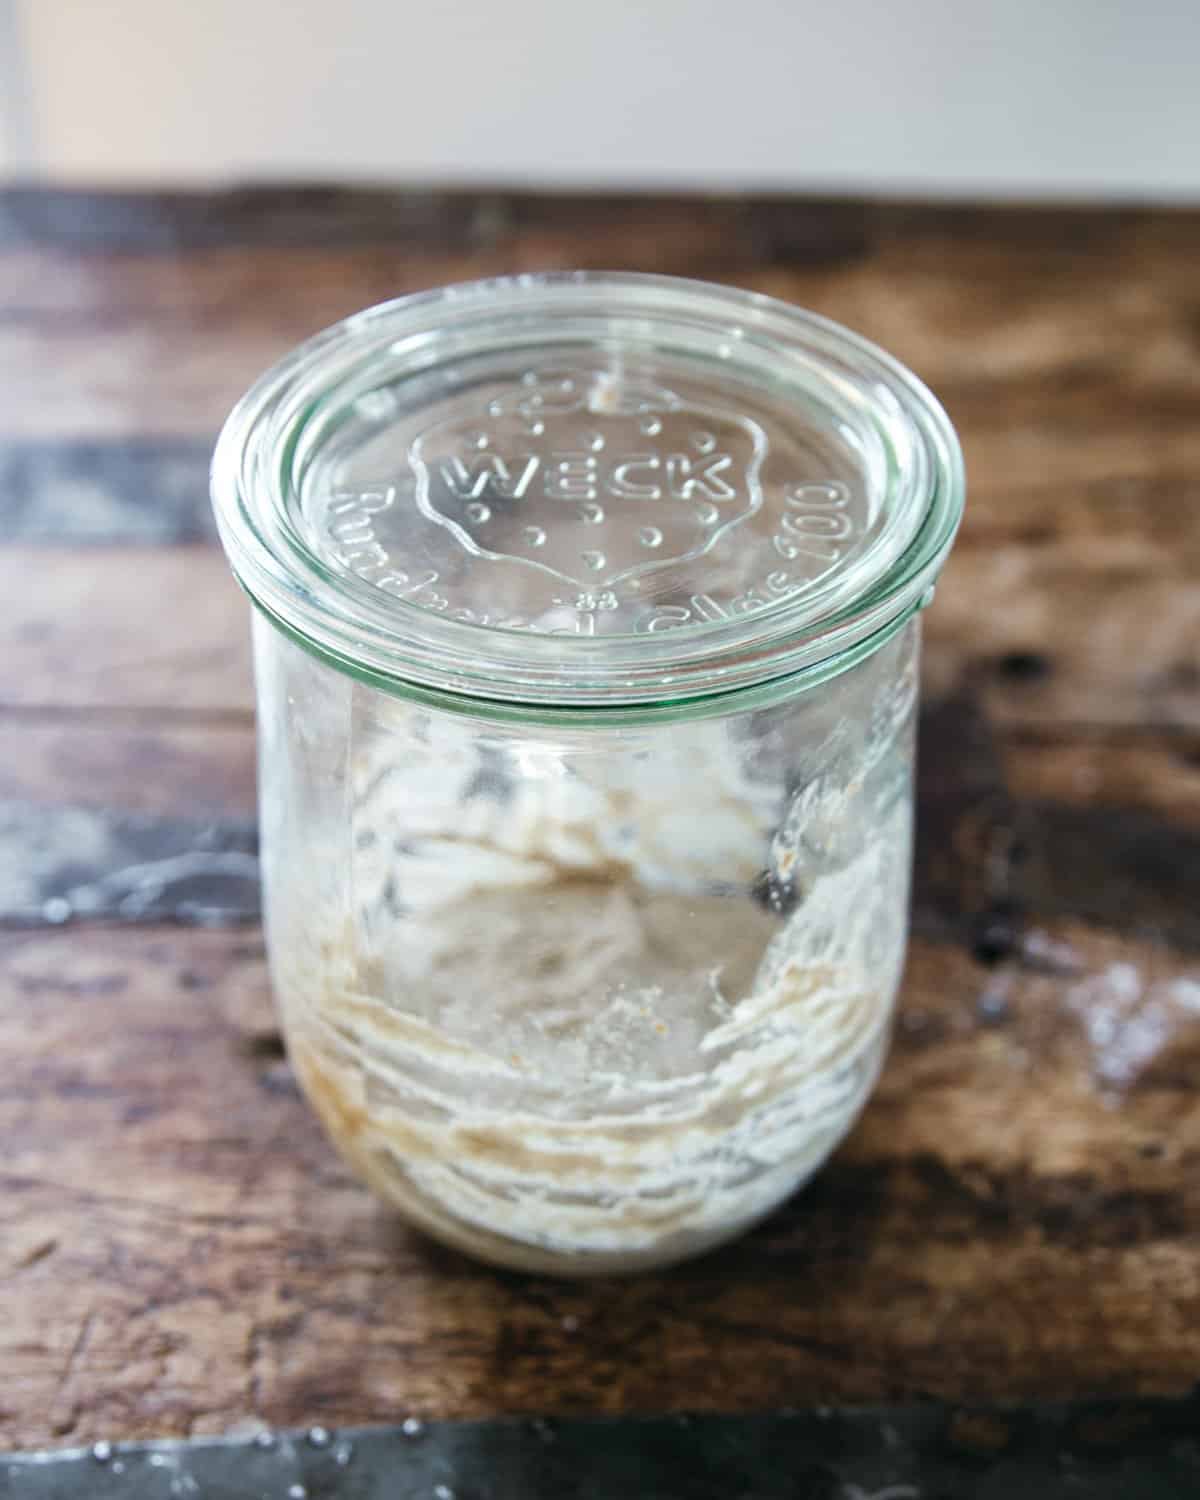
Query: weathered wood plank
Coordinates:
[155,628]
[1158,775]
[207,770]
[1016,1216]
[125,491]
[762,228]
[137,341]
[1012,831]
[1115,630]
[1109,655]
[202,771]
[170,222]
[83,804]
[432,220]
[61,864]
[139,492]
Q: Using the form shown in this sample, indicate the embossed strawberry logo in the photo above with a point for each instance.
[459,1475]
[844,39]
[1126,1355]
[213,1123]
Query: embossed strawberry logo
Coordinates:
[589,478]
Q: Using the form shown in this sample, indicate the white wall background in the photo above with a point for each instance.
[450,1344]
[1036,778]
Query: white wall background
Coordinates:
[1087,97]
[14,111]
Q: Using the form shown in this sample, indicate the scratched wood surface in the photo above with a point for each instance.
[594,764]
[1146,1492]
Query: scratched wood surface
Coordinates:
[1018,1214]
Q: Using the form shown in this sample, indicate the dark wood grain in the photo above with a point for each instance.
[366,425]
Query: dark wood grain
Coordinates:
[1017,1215]
[129,763]
[127,627]
[160,629]
[126,490]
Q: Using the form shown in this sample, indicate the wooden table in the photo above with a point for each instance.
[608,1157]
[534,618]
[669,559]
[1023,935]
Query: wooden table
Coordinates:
[1018,1214]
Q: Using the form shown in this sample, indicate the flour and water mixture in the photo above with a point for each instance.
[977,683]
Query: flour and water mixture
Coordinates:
[598,1012]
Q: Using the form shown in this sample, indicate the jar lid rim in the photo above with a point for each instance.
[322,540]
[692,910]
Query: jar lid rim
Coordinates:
[271,442]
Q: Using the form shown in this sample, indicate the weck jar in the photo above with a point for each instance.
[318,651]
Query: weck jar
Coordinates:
[586,639]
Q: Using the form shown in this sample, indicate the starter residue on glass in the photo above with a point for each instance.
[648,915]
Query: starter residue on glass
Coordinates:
[573,1016]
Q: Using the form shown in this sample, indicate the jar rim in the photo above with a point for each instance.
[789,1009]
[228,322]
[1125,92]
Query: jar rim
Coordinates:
[397,645]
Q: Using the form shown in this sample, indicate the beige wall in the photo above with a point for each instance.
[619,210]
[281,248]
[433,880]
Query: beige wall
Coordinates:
[1090,96]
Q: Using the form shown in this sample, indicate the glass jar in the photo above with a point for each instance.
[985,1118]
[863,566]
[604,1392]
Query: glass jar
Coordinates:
[586,649]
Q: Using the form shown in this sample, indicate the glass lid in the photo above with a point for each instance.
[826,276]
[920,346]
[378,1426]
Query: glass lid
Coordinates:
[584,489]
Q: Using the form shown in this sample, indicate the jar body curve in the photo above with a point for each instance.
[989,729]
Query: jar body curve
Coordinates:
[592,997]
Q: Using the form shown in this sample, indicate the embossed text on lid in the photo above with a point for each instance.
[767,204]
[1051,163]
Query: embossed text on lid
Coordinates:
[590,489]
